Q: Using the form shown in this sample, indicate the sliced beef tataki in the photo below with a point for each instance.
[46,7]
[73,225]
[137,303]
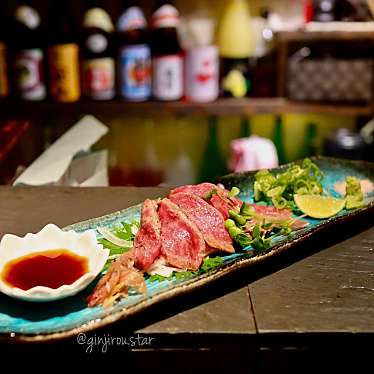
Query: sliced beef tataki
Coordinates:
[147,243]
[207,218]
[182,243]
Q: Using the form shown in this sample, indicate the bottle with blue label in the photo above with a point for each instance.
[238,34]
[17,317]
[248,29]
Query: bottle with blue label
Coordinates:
[134,56]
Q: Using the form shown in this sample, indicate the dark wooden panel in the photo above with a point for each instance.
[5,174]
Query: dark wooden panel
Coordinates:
[230,313]
[25,210]
[297,36]
[221,107]
[331,291]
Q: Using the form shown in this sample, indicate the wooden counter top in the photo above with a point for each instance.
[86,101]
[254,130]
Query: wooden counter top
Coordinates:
[323,289]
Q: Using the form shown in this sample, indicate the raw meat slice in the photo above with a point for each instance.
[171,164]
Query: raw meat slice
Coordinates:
[148,239]
[182,243]
[223,203]
[220,199]
[117,281]
[200,190]
[271,213]
[208,219]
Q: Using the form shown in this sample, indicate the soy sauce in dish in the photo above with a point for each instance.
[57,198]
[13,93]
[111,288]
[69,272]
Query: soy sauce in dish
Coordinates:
[51,268]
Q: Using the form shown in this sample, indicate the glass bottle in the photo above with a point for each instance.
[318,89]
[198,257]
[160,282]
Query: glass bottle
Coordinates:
[180,171]
[278,140]
[245,128]
[213,162]
[63,54]
[167,55]
[134,56]
[309,147]
[97,51]
[28,45]
[4,78]
[236,47]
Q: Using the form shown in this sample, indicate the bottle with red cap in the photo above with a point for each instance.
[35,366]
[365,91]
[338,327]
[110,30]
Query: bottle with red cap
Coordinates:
[167,55]
[98,67]
[134,56]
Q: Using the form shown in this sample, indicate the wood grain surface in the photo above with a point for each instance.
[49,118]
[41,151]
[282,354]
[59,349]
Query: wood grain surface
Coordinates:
[221,107]
[310,311]
[25,210]
[330,291]
[324,286]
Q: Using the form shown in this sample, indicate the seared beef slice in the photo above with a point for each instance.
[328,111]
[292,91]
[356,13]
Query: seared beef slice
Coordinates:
[207,218]
[148,239]
[200,190]
[182,243]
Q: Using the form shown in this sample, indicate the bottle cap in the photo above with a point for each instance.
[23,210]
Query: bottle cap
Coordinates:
[97,17]
[165,16]
[28,16]
[132,19]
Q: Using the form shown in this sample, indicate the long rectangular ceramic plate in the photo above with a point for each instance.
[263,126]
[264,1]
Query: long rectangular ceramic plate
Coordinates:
[35,322]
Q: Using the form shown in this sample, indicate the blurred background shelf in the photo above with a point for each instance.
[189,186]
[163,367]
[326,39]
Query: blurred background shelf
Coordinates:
[295,36]
[221,107]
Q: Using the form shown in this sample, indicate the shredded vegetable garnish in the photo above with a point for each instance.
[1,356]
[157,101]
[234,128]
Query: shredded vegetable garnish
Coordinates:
[118,239]
[353,195]
[208,264]
[279,189]
[114,239]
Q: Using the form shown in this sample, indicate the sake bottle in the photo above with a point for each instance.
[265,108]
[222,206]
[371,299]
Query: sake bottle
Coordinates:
[167,54]
[236,47]
[180,171]
[310,138]
[134,56]
[28,54]
[97,54]
[4,83]
[63,54]
[278,140]
[213,162]
[245,128]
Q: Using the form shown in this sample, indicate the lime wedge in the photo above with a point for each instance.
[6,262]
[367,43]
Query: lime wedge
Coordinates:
[317,206]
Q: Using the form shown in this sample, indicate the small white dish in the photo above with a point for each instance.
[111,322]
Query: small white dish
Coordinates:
[49,238]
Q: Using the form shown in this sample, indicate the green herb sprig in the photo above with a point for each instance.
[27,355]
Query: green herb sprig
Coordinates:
[124,231]
[280,188]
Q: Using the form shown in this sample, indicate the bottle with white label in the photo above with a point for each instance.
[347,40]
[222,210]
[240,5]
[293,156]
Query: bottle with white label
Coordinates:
[28,55]
[202,59]
[98,66]
[167,55]
[134,56]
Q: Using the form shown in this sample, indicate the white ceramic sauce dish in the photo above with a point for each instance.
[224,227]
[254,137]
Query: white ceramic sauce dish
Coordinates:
[49,238]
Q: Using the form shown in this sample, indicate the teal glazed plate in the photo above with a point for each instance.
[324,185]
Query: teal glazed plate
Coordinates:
[25,321]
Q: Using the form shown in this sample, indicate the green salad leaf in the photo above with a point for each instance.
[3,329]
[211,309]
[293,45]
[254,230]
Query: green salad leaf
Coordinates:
[124,231]
[279,189]
[114,249]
